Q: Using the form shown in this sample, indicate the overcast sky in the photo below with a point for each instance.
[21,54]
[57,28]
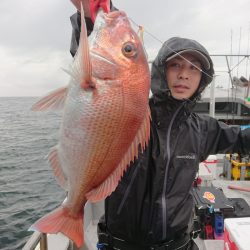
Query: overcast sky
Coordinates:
[35,36]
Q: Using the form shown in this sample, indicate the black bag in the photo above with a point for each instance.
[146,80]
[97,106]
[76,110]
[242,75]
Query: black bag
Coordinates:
[241,208]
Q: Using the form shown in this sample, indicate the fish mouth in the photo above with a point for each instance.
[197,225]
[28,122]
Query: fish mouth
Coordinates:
[109,19]
[114,14]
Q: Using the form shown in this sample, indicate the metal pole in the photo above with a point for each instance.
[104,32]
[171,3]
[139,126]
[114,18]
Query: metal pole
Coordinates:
[229,71]
[44,242]
[212,99]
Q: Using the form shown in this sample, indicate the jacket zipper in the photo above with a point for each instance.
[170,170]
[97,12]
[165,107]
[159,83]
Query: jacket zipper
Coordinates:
[163,198]
[127,190]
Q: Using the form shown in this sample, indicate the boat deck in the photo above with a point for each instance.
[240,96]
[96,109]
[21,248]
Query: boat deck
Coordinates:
[92,213]
[91,235]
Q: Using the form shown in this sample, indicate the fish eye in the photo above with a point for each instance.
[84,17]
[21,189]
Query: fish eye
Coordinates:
[129,49]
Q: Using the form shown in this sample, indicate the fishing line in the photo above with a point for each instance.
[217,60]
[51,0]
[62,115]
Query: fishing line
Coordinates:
[174,52]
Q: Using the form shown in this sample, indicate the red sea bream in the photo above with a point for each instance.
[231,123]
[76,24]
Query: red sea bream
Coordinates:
[105,117]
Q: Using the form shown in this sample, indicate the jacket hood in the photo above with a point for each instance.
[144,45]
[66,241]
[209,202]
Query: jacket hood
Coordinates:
[159,85]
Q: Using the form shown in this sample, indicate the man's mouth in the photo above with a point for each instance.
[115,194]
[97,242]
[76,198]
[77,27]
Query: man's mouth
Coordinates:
[180,88]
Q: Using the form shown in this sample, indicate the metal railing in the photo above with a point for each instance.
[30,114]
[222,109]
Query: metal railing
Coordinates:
[42,241]
[36,239]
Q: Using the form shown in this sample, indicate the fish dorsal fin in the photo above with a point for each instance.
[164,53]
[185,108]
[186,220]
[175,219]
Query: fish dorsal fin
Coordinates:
[82,67]
[53,101]
[57,169]
[110,184]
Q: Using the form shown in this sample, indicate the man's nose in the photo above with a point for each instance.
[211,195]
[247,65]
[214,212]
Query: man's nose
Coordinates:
[183,73]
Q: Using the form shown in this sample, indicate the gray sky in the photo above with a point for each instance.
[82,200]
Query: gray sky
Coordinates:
[35,36]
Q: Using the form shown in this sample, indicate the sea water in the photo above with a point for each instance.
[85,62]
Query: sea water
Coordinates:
[28,189]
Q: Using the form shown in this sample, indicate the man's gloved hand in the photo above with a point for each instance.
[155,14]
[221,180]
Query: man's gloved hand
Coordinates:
[91,7]
[85,4]
[88,6]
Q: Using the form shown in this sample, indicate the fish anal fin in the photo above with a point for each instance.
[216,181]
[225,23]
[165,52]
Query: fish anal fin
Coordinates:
[53,101]
[110,184]
[60,220]
[57,169]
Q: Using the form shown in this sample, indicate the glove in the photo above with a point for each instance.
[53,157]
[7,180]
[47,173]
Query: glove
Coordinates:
[76,21]
[91,7]
[85,4]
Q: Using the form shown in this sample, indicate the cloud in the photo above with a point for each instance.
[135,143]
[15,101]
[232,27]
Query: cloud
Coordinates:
[35,35]
[31,24]
[34,45]
[34,74]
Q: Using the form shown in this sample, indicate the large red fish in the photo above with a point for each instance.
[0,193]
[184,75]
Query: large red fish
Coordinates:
[106,117]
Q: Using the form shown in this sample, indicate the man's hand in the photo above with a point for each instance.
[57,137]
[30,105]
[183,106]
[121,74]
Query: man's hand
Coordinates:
[91,7]
[85,4]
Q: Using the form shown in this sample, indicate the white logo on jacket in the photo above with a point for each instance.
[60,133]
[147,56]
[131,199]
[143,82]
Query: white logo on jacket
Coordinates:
[189,157]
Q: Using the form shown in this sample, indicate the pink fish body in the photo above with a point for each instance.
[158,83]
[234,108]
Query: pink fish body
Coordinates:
[105,117]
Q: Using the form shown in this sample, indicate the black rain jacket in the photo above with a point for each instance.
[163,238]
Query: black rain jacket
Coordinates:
[152,202]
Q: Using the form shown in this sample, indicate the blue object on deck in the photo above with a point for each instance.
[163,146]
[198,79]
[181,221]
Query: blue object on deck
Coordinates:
[211,209]
[244,127]
[218,224]
[100,246]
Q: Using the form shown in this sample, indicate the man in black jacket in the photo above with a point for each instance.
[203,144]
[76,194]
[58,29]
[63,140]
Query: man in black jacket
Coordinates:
[152,206]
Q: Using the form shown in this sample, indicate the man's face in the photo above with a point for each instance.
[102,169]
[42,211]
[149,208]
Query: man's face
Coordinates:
[182,76]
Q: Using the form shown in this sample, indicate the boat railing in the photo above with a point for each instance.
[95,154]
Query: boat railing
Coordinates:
[36,239]
[42,241]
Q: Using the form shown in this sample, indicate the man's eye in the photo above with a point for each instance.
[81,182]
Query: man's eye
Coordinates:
[195,67]
[174,65]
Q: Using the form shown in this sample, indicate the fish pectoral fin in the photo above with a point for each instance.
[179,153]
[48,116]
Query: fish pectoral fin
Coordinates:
[57,169]
[110,184]
[53,101]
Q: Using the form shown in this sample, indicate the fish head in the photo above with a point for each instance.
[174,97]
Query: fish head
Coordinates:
[116,50]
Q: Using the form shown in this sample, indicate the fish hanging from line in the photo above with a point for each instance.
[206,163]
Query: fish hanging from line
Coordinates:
[105,117]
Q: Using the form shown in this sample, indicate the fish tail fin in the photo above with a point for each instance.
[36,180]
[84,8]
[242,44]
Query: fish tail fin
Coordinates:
[60,220]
